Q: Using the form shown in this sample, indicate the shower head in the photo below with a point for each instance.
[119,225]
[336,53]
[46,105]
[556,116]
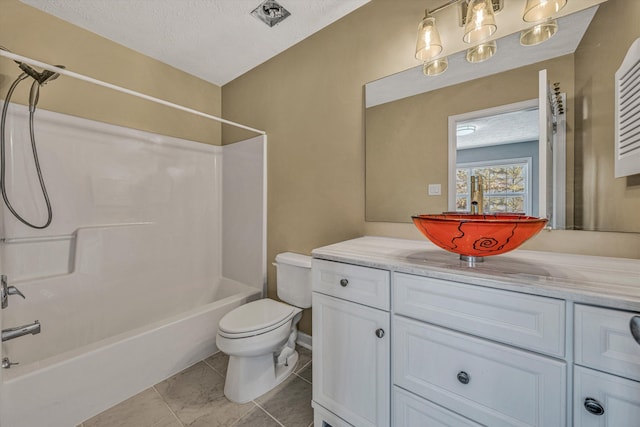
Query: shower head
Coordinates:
[46,76]
[42,78]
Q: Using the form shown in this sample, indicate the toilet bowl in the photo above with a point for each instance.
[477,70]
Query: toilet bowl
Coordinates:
[260,336]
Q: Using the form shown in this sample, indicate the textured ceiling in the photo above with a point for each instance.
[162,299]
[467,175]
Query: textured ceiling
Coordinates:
[505,128]
[216,40]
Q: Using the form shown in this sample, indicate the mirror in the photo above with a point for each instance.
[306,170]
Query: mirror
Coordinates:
[502,146]
[407,127]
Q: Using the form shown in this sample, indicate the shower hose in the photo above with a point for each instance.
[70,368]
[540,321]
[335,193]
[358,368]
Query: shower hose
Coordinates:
[3,186]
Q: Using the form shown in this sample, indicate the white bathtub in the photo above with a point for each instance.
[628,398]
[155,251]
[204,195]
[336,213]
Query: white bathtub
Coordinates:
[66,389]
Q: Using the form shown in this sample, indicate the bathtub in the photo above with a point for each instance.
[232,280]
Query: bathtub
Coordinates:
[66,389]
[153,240]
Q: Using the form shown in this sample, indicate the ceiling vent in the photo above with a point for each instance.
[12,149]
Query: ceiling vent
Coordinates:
[270,12]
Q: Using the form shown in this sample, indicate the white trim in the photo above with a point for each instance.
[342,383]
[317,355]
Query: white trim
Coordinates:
[452,137]
[304,340]
[559,217]
[65,72]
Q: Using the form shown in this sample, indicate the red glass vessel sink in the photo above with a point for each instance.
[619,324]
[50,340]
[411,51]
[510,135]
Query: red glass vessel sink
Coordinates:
[478,235]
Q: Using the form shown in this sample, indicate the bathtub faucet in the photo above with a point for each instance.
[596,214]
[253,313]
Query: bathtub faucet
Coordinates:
[11,333]
[5,291]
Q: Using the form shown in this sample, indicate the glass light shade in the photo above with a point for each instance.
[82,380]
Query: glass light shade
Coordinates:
[539,33]
[482,52]
[480,23]
[428,45]
[435,67]
[537,10]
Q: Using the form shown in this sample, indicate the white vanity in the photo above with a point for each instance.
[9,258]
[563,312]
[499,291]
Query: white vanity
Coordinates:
[406,334]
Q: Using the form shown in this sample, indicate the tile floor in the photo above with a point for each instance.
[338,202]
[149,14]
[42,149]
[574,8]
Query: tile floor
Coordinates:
[195,398]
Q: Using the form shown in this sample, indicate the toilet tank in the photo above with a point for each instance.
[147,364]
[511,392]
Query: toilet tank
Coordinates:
[293,276]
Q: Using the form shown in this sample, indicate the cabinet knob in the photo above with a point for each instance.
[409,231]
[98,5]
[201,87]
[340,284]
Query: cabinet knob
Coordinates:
[634,325]
[463,377]
[380,332]
[344,282]
[593,406]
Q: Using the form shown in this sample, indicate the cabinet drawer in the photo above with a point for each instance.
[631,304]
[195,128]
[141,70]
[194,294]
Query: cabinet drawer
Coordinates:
[324,418]
[411,411]
[368,286]
[603,341]
[489,383]
[613,401]
[528,321]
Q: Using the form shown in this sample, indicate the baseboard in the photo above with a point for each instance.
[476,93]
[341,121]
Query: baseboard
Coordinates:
[304,340]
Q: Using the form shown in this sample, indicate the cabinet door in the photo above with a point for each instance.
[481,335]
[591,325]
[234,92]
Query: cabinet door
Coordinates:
[603,400]
[351,372]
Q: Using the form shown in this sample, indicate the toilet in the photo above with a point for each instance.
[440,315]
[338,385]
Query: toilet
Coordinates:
[260,336]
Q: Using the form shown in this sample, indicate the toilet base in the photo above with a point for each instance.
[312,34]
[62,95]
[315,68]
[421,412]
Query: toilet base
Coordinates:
[250,377]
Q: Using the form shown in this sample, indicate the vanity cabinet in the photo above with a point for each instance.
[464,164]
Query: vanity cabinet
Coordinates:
[607,371]
[351,344]
[524,340]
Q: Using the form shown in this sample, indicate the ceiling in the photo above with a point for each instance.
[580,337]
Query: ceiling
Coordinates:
[504,128]
[216,40]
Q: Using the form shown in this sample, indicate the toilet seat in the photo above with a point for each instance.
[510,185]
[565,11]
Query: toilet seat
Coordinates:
[255,318]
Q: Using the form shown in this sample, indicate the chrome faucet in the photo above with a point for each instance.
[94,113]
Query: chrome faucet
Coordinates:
[11,333]
[5,291]
[477,192]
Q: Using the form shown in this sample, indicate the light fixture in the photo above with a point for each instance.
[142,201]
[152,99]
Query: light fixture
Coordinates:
[428,45]
[481,52]
[463,130]
[435,67]
[480,21]
[477,18]
[539,33]
[537,10]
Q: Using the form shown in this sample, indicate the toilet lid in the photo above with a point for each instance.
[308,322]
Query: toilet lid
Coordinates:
[255,316]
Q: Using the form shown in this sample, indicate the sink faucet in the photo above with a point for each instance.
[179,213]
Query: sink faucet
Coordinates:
[476,195]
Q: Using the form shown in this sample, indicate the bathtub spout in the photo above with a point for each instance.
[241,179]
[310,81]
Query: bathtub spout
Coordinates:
[11,333]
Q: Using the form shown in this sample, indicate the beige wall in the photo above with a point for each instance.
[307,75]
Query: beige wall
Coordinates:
[407,140]
[608,203]
[27,31]
[309,99]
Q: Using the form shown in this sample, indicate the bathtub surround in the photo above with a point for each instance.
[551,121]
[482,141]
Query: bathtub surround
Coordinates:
[131,279]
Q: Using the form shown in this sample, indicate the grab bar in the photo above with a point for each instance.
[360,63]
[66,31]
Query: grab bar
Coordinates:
[11,333]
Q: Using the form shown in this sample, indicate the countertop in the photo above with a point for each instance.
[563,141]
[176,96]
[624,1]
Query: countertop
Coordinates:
[604,281]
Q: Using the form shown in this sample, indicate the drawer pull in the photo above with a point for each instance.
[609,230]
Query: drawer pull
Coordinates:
[380,333]
[463,377]
[634,325]
[593,406]
[344,283]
